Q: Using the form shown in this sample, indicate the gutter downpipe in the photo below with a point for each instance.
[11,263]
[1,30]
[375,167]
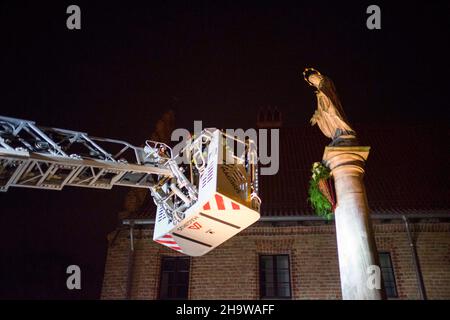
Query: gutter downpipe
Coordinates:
[420,283]
[130,262]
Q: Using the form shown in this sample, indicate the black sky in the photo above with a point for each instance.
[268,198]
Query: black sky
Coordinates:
[213,61]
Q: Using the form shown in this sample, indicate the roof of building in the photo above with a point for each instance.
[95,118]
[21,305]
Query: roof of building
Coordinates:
[406,170]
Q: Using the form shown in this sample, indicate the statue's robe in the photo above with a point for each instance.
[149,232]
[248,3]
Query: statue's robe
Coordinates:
[329,115]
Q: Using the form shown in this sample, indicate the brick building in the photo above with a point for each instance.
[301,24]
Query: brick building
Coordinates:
[291,253]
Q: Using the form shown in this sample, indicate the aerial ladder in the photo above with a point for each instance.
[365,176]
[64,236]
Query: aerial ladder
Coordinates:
[204,194]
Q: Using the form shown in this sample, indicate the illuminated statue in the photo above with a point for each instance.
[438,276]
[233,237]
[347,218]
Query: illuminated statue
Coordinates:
[329,115]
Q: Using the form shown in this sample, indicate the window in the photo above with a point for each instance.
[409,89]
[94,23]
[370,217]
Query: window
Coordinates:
[274,277]
[388,274]
[174,281]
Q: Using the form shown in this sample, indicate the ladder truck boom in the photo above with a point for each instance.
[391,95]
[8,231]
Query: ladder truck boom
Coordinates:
[194,190]
[49,158]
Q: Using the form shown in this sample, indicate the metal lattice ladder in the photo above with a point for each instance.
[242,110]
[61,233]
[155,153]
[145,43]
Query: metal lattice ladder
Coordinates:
[51,158]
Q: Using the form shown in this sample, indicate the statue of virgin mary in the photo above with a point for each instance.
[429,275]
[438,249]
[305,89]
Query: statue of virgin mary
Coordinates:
[329,115]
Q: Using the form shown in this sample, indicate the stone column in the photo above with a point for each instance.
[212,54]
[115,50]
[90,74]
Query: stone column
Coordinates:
[355,240]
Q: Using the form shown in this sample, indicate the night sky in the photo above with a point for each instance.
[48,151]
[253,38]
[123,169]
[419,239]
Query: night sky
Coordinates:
[213,61]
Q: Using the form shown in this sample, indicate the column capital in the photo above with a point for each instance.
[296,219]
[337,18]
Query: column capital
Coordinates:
[346,159]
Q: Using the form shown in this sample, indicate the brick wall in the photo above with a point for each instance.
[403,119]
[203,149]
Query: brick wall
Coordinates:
[231,270]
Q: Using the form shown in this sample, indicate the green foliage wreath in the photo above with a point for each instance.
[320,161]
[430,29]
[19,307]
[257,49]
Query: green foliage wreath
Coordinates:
[320,203]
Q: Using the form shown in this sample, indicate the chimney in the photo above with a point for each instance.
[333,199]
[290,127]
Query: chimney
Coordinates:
[269,117]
